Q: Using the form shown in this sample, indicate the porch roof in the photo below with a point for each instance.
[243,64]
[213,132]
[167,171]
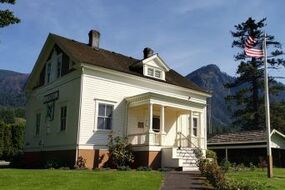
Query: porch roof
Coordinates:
[160,99]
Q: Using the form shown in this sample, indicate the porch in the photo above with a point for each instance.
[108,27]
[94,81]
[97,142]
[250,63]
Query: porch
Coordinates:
[156,121]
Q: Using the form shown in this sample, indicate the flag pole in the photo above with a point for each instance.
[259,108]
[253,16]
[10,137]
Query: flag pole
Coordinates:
[267,113]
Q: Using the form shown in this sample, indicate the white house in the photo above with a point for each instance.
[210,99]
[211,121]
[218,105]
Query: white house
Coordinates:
[78,93]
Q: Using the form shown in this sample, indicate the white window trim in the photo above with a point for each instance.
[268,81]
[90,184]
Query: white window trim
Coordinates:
[50,71]
[58,117]
[60,69]
[66,117]
[162,72]
[196,116]
[97,102]
[41,120]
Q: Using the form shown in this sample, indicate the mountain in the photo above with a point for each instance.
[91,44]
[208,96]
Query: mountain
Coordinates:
[211,78]
[11,88]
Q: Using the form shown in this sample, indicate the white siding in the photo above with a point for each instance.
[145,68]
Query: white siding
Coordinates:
[52,139]
[98,85]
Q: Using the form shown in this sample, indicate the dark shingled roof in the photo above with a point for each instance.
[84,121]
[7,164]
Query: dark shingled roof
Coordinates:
[245,136]
[115,61]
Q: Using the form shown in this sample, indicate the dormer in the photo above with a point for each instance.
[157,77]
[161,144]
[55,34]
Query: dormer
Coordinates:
[152,65]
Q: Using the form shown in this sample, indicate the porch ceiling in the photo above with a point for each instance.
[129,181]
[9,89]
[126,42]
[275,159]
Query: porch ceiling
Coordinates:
[159,99]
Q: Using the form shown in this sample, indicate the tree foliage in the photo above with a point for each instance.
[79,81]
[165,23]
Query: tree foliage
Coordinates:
[248,100]
[7,16]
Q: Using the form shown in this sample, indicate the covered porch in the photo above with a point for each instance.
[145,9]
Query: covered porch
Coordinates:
[157,121]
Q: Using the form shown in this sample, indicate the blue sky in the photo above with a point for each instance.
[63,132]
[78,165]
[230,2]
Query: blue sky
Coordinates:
[187,34]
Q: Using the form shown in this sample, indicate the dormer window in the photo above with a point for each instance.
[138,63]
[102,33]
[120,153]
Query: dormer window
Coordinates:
[154,72]
[150,72]
[157,74]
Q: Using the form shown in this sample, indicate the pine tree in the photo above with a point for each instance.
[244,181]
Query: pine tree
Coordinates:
[7,17]
[248,100]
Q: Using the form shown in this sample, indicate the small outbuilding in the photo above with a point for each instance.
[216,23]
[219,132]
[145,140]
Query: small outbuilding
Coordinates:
[248,146]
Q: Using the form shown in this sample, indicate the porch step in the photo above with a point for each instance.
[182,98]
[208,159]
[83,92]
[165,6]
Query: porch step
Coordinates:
[183,158]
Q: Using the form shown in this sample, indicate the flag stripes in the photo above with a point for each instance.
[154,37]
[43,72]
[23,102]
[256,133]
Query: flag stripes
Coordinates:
[253,48]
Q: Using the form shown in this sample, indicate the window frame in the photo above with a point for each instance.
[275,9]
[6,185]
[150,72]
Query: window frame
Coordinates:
[38,124]
[97,104]
[48,72]
[58,65]
[195,127]
[65,117]
[155,70]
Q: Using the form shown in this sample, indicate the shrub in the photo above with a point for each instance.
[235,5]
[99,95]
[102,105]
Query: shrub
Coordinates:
[143,168]
[80,163]
[120,151]
[226,165]
[52,164]
[252,166]
[124,168]
[242,185]
[211,154]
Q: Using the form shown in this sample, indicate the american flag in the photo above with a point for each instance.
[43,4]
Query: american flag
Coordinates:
[253,48]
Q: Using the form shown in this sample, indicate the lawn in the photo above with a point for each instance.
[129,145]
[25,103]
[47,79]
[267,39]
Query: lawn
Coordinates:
[277,182]
[11,179]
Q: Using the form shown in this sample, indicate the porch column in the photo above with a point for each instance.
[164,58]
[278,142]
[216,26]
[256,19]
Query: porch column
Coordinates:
[150,107]
[162,130]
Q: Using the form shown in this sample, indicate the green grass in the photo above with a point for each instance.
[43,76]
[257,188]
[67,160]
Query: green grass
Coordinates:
[11,179]
[277,182]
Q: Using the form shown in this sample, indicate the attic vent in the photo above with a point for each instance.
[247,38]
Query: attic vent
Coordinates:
[94,38]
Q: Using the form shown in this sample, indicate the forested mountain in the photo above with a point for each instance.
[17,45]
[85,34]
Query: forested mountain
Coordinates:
[11,88]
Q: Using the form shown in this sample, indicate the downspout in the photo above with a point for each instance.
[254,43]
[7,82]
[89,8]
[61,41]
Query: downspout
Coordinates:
[79,115]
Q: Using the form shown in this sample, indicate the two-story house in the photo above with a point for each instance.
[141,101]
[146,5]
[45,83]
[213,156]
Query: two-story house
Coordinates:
[78,93]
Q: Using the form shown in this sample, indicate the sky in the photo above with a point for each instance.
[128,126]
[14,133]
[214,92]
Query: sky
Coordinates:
[187,34]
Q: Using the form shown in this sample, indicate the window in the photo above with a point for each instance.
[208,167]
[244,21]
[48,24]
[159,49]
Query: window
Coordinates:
[105,112]
[156,124]
[58,66]
[195,126]
[38,123]
[154,72]
[63,114]
[150,72]
[157,74]
[48,72]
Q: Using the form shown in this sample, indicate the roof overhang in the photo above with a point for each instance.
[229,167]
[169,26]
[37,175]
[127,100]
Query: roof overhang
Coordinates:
[169,101]
[158,60]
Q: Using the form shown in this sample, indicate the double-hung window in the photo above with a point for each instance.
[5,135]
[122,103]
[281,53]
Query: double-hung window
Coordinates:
[195,126]
[38,124]
[48,70]
[59,66]
[63,117]
[104,119]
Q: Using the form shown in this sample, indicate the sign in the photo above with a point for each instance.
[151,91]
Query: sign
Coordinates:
[51,97]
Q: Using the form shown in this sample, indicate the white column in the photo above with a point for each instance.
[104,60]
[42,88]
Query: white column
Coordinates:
[162,129]
[162,119]
[150,107]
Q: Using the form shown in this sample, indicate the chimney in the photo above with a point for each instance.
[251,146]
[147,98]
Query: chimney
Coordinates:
[94,38]
[147,52]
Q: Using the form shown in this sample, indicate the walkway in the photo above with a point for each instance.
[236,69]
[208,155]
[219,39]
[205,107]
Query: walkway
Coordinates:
[176,180]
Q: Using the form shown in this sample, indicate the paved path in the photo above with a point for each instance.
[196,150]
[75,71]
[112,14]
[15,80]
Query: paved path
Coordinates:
[176,180]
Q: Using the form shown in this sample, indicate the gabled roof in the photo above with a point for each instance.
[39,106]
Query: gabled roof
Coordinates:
[83,53]
[242,137]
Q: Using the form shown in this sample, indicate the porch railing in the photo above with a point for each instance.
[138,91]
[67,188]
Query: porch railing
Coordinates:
[151,138]
[184,141]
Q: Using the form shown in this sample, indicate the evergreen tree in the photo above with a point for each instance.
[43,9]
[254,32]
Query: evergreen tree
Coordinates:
[248,111]
[7,17]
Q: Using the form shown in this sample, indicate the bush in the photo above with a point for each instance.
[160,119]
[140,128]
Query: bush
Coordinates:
[252,166]
[242,185]
[124,168]
[143,168]
[52,164]
[120,151]
[211,154]
[80,163]
[226,165]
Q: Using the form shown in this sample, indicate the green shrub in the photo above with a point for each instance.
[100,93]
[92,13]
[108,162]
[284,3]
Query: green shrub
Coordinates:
[226,165]
[252,166]
[124,168]
[211,154]
[143,168]
[80,163]
[120,153]
[242,185]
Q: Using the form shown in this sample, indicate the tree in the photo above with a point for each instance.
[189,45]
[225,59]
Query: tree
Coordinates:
[248,111]
[7,17]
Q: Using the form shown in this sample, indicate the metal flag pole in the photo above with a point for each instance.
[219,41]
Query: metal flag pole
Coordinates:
[267,113]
